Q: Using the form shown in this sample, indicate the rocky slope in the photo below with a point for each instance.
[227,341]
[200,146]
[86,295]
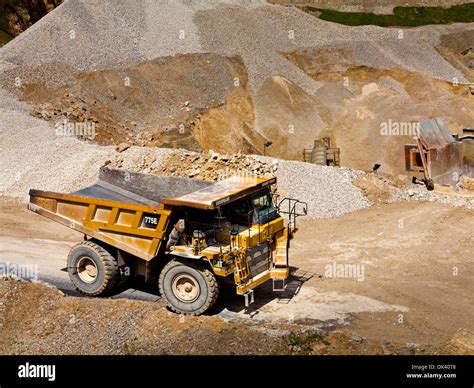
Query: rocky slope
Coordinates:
[224,77]
[230,75]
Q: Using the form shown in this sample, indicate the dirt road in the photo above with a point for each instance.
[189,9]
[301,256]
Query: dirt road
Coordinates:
[392,278]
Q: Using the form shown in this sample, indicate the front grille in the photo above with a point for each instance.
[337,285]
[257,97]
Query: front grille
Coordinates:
[259,259]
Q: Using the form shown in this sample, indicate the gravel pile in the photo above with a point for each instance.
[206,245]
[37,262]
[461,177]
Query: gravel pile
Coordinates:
[36,157]
[419,193]
[84,35]
[53,75]
[211,166]
[141,159]
[182,163]
[8,102]
[91,34]
[40,157]
[328,191]
[33,156]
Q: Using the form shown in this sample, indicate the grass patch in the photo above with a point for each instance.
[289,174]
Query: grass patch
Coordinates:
[305,340]
[402,16]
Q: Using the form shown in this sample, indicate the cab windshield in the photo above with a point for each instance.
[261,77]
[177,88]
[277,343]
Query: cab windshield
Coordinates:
[262,204]
[256,209]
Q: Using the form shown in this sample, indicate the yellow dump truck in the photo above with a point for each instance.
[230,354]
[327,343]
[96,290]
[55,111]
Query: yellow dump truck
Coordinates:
[190,236]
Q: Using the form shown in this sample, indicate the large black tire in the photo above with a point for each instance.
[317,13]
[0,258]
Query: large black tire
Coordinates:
[176,278]
[92,270]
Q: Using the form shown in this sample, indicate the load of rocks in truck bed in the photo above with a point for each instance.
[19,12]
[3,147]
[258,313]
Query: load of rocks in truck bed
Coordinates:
[210,166]
[328,191]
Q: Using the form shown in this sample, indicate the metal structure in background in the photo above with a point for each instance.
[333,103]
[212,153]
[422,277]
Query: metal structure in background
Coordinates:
[440,156]
[322,153]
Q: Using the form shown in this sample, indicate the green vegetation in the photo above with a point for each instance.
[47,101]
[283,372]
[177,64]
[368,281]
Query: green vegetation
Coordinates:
[305,340]
[402,16]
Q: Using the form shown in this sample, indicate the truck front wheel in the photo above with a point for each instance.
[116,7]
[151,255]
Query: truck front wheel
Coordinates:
[188,288]
[92,270]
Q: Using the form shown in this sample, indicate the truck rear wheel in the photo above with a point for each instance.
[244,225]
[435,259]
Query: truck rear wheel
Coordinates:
[187,288]
[92,270]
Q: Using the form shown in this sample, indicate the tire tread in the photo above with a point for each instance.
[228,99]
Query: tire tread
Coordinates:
[213,286]
[111,270]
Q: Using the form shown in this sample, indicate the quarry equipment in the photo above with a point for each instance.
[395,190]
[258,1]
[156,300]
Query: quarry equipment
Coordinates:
[322,153]
[189,236]
[441,157]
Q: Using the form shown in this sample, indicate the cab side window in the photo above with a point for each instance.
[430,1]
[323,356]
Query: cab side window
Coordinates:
[239,212]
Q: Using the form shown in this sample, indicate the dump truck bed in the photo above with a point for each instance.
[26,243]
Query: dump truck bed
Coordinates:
[132,211]
[122,209]
[134,228]
[146,189]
